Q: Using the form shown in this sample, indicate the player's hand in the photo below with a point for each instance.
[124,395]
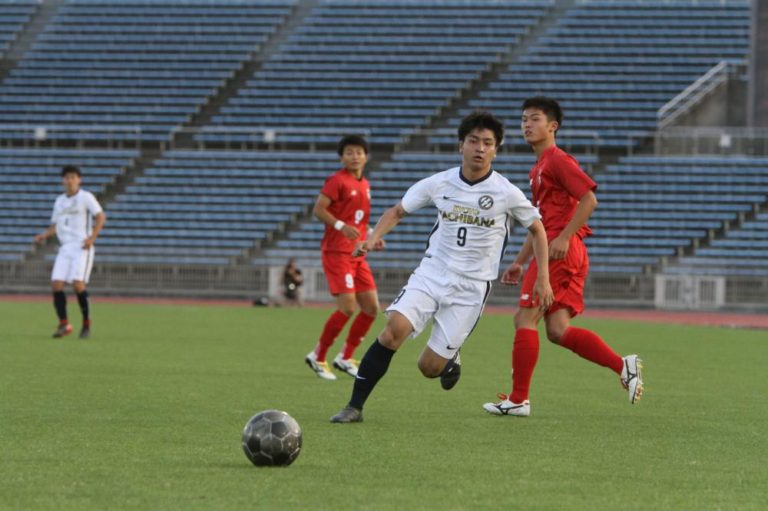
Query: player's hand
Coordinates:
[512,274]
[379,245]
[40,238]
[542,294]
[558,248]
[88,242]
[362,248]
[350,232]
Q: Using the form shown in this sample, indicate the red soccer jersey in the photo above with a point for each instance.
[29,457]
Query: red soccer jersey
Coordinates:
[350,203]
[558,183]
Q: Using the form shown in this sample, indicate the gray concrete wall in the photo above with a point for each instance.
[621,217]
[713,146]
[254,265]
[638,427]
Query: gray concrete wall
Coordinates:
[725,106]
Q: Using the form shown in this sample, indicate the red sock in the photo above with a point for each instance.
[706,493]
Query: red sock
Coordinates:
[589,345]
[357,332]
[525,354]
[333,326]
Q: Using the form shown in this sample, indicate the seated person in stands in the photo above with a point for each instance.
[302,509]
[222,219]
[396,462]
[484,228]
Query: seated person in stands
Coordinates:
[292,281]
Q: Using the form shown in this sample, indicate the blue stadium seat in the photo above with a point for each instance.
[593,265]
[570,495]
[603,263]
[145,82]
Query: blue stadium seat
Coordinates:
[208,207]
[130,63]
[323,78]
[629,58]
[29,183]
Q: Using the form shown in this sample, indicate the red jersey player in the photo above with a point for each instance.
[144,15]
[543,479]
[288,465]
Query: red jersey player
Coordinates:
[565,197]
[344,205]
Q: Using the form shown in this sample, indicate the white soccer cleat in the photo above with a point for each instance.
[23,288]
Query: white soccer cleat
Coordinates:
[507,407]
[321,369]
[632,378]
[347,365]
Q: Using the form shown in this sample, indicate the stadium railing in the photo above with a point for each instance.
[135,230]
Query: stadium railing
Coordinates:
[680,104]
[115,135]
[724,140]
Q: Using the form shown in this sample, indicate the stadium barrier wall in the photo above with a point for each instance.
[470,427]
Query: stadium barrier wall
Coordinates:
[255,282]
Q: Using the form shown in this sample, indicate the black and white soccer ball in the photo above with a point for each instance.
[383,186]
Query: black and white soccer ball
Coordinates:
[272,438]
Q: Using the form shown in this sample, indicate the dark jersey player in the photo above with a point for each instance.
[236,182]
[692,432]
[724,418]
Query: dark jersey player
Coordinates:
[344,206]
[565,197]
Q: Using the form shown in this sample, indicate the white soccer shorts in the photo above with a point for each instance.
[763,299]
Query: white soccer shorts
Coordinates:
[73,262]
[453,302]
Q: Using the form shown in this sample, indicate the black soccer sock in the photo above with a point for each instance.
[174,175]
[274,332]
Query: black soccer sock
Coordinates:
[373,366]
[448,367]
[60,304]
[82,299]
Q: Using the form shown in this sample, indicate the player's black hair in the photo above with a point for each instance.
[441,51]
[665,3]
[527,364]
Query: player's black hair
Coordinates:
[549,106]
[71,169]
[481,119]
[352,140]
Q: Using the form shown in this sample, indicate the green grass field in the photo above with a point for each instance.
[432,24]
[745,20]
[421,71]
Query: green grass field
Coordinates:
[148,415]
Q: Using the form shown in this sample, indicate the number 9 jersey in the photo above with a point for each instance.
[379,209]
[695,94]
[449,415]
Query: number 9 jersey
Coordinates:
[473,220]
[350,203]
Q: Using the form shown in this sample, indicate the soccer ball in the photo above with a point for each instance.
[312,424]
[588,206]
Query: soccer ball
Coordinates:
[272,438]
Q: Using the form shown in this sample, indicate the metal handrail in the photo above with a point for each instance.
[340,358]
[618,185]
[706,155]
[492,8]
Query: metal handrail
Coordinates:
[693,93]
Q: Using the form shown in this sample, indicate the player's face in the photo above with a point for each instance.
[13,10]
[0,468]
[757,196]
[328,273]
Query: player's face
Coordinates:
[354,158]
[71,182]
[536,127]
[478,149]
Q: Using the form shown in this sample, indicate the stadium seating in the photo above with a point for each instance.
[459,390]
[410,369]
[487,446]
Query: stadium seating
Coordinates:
[208,207]
[741,252]
[138,69]
[405,245]
[14,14]
[711,191]
[30,182]
[378,68]
[613,64]
[650,208]
[656,206]
[135,70]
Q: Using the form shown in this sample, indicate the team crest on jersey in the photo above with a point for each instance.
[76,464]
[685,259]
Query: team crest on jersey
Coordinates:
[485,202]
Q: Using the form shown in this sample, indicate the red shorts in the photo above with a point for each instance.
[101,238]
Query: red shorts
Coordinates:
[347,274]
[566,276]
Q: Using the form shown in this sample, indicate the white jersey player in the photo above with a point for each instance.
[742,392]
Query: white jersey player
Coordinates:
[475,207]
[77,220]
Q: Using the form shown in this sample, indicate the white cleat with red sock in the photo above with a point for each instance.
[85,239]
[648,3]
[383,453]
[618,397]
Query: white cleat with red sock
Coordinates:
[507,407]
[632,377]
[321,369]
[347,365]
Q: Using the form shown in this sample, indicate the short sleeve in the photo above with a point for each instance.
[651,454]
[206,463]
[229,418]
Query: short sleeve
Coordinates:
[93,205]
[572,178]
[521,209]
[332,188]
[54,216]
[418,196]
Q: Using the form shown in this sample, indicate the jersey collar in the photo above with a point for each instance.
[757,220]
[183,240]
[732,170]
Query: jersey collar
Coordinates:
[548,152]
[473,183]
[350,174]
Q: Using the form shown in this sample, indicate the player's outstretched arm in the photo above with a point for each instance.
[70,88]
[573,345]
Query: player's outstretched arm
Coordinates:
[50,231]
[541,289]
[389,219]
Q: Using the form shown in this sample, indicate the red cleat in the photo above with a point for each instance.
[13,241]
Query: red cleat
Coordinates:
[63,330]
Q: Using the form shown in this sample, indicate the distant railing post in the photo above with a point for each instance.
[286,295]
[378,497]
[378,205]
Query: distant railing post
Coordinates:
[681,103]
